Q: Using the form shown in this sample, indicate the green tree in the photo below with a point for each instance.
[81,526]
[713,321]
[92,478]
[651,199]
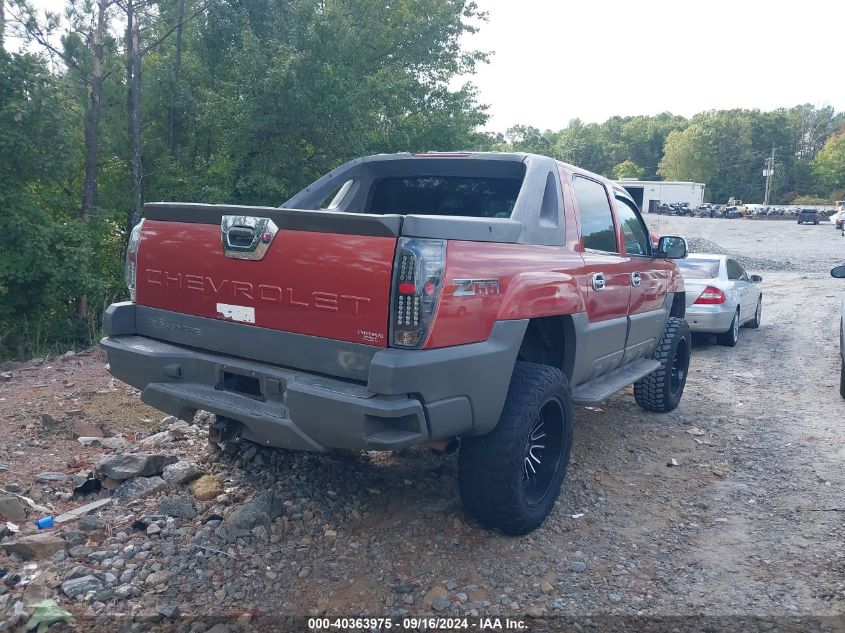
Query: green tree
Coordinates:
[628,169]
[581,144]
[526,138]
[273,94]
[42,240]
[688,156]
[829,165]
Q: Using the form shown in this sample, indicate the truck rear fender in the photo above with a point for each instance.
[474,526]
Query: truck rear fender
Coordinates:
[540,294]
[488,283]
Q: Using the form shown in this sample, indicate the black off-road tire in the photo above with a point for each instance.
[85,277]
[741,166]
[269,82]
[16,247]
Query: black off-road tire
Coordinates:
[730,338]
[662,389]
[492,468]
[758,315]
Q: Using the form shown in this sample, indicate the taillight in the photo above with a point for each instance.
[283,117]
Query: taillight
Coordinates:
[417,279]
[711,296]
[130,272]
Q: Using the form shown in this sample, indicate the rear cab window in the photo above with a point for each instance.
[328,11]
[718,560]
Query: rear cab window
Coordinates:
[467,196]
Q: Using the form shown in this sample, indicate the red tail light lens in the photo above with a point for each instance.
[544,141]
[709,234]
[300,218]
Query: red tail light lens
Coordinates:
[417,279]
[711,296]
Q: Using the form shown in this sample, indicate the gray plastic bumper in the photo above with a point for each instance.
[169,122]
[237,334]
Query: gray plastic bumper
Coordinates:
[410,396]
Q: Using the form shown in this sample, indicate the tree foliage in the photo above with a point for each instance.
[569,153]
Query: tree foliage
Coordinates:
[628,169]
[725,149]
[829,166]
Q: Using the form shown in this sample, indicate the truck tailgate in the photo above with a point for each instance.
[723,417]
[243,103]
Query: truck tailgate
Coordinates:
[315,282]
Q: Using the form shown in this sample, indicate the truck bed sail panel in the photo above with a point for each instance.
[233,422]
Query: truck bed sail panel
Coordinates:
[502,230]
[338,222]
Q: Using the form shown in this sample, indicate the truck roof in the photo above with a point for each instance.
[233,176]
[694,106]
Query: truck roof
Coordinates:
[534,216]
[491,156]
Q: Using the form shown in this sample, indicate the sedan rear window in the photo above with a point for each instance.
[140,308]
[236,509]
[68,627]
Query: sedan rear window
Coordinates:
[463,196]
[692,268]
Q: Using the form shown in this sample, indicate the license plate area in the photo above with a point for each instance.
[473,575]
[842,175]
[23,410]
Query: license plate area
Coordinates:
[243,384]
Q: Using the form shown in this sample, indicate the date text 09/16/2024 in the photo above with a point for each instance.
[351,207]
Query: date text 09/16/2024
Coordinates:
[416,624]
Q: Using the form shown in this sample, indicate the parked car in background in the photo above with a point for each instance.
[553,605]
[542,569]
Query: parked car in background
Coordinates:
[839,273]
[808,216]
[838,220]
[721,297]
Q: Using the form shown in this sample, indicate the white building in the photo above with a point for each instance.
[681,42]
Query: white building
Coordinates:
[649,194]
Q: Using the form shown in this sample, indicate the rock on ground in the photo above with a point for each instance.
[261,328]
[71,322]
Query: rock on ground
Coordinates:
[206,488]
[91,523]
[34,546]
[181,507]
[12,509]
[158,578]
[157,439]
[131,465]
[44,478]
[80,586]
[140,487]
[181,472]
[256,512]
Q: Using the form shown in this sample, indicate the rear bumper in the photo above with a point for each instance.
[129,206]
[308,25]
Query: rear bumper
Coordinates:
[710,319]
[380,399]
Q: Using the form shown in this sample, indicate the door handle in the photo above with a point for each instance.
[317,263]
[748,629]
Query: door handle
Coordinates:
[636,280]
[599,282]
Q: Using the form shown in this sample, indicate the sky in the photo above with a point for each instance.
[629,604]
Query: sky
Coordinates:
[591,59]
[554,60]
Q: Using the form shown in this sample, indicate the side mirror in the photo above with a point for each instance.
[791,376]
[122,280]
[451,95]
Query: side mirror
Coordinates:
[671,247]
[838,272]
[756,279]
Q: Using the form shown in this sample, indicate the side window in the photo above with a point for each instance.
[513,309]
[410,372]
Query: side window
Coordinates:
[735,271]
[634,232]
[595,214]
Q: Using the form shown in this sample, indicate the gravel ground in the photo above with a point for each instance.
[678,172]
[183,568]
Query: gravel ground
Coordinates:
[759,245]
[748,524]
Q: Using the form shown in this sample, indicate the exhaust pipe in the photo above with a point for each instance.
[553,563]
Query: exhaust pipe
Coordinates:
[223,430]
[443,447]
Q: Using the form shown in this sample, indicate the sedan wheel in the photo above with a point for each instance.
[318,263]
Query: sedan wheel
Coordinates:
[758,315]
[730,337]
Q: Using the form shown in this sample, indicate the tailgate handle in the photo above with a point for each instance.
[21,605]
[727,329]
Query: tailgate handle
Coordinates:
[241,236]
[247,237]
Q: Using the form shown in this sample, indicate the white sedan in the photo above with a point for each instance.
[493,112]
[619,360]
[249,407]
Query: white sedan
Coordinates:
[720,296]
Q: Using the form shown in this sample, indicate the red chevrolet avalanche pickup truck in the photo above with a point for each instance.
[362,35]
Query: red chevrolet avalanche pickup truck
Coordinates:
[410,299]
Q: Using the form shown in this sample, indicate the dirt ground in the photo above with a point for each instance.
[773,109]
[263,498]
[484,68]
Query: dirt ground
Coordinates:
[749,523]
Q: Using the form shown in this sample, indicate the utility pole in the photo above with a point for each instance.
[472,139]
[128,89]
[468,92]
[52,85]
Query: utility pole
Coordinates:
[768,172]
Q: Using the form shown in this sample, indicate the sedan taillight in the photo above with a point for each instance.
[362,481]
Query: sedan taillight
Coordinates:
[417,279]
[711,296]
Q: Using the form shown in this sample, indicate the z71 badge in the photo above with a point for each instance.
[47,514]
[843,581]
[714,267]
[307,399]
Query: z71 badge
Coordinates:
[473,287]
